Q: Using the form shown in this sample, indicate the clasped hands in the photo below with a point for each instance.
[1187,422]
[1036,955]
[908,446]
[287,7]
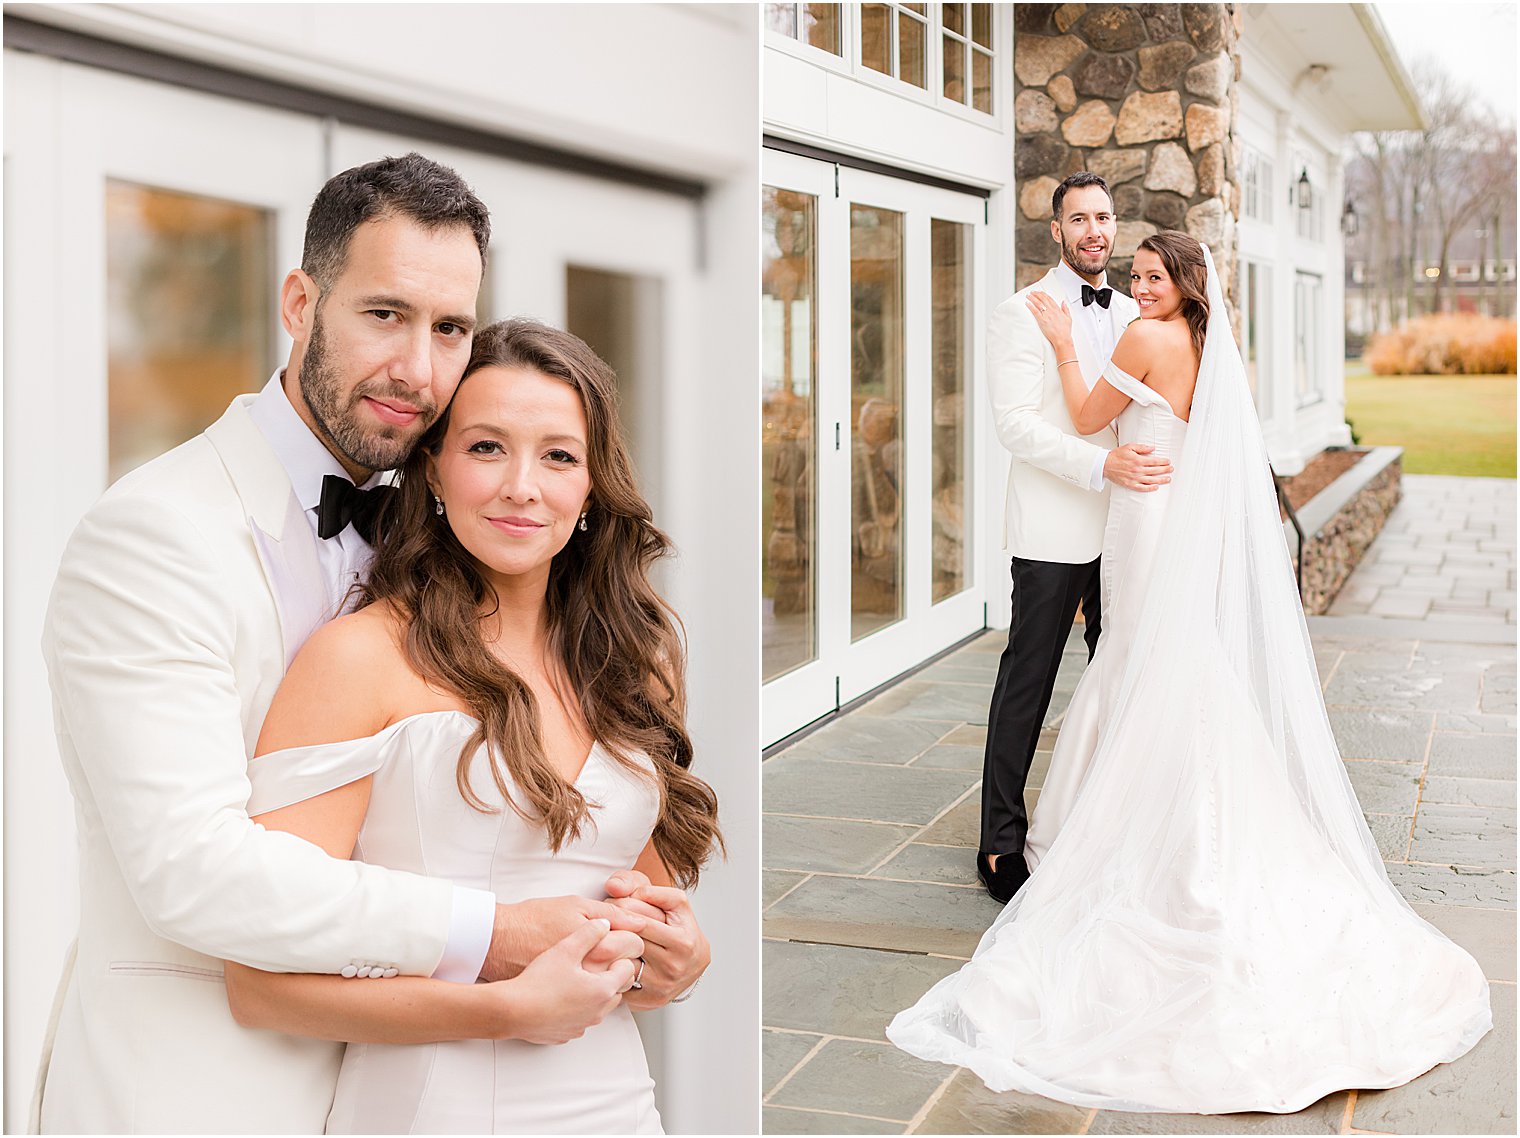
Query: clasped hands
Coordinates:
[643,920]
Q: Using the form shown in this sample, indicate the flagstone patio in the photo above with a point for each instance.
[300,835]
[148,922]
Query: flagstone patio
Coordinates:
[871,825]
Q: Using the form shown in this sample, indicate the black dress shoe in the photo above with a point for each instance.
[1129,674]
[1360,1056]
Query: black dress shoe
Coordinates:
[1004,881]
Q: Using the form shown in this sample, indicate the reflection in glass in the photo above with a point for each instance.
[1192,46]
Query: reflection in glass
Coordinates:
[911,48]
[822,22]
[954,17]
[876,384]
[781,18]
[981,24]
[950,272]
[955,69]
[876,37]
[620,316]
[981,80]
[789,354]
[188,288]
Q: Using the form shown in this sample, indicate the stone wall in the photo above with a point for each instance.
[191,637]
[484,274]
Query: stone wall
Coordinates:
[1336,548]
[1143,94]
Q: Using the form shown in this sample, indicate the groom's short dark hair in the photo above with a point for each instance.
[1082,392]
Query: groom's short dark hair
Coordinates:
[1075,182]
[429,193]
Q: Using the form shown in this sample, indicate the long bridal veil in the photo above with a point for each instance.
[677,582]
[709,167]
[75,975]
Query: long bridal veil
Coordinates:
[1212,928]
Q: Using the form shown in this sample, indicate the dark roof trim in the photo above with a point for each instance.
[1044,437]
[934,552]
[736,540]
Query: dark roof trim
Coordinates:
[805,150]
[22,34]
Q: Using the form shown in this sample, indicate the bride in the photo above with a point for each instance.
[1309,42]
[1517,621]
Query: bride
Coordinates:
[504,709]
[1209,928]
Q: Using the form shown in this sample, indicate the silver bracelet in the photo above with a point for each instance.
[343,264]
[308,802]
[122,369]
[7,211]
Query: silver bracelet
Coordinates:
[1063,363]
[686,995]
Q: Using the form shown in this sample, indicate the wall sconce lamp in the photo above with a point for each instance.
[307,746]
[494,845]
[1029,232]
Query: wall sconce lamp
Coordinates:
[1348,220]
[1305,191]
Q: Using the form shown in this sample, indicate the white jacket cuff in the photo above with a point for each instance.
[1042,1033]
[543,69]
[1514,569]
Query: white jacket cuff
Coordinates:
[471,922]
[1095,480]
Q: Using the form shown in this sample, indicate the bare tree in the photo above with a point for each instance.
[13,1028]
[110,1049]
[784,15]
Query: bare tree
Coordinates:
[1418,190]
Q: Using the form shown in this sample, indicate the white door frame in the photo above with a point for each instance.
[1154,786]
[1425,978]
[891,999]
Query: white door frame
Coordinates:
[844,670]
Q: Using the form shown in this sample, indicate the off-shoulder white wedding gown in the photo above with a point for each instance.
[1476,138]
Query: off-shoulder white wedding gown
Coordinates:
[417,821]
[1196,936]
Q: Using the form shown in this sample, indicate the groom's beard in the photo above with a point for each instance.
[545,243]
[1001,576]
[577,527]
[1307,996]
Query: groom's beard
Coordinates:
[1082,262]
[382,447]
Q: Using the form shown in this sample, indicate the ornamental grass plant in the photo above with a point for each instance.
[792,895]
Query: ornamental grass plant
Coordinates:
[1458,343]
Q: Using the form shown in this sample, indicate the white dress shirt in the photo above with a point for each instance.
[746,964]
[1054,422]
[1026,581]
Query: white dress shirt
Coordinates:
[344,560]
[1097,323]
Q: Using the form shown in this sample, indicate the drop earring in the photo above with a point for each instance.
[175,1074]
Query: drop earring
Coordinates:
[437,505]
[583,522]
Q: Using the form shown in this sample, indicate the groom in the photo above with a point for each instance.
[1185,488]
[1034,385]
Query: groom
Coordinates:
[181,598]
[1057,503]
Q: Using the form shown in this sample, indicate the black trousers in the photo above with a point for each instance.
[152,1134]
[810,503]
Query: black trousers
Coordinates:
[1045,596]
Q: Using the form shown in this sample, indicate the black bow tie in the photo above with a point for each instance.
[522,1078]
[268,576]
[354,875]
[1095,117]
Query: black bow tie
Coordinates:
[343,503]
[1101,295]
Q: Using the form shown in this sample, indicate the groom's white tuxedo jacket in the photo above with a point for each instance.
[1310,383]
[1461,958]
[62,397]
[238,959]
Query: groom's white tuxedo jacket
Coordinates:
[1053,510]
[182,596]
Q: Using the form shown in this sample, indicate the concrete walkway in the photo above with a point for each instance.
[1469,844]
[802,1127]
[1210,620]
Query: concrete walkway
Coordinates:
[871,824]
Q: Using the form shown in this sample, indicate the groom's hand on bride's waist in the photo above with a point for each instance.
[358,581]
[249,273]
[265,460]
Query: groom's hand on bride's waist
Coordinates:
[525,929]
[1134,467]
[676,953]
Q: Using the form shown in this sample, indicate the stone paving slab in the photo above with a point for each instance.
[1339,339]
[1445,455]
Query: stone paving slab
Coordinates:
[775,883]
[1385,788]
[779,1120]
[837,990]
[780,1052]
[1485,888]
[829,844]
[966,1106]
[1402,736]
[1469,791]
[865,791]
[1489,934]
[924,699]
[846,1073]
[917,862]
[903,916]
[1464,835]
[1324,1117]
[1475,1095]
[950,756]
[1472,756]
[870,739]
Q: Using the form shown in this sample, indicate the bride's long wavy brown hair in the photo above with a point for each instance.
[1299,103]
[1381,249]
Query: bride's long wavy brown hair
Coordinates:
[612,634]
[1182,256]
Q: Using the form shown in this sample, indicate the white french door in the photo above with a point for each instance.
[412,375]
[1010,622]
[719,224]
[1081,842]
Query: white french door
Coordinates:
[872,302]
[143,224]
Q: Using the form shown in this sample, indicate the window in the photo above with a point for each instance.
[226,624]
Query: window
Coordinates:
[1255,300]
[966,34]
[1256,184]
[1308,381]
[898,40]
[894,39]
[817,25]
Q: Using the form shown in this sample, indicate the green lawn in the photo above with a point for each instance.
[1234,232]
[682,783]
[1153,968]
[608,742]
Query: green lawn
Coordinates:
[1451,424]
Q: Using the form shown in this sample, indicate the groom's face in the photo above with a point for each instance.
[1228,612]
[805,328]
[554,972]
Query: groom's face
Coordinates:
[387,341]
[1086,229]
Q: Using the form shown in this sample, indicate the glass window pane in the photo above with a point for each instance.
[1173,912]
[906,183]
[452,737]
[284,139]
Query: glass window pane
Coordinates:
[921,9]
[955,69]
[189,287]
[981,24]
[981,81]
[876,382]
[781,18]
[951,347]
[789,354]
[955,17]
[876,37]
[620,316]
[822,23]
[913,34]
